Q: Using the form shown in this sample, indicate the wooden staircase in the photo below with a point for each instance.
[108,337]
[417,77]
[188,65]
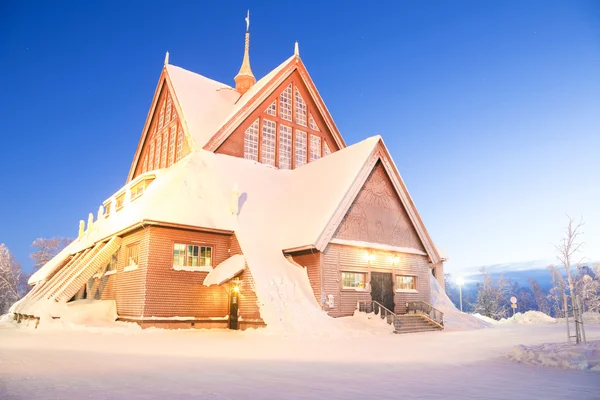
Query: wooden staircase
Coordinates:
[419,317]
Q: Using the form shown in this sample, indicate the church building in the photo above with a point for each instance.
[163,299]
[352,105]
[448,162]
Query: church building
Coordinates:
[244,207]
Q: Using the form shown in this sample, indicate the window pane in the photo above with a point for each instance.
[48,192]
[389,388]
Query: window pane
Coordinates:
[313,124]
[326,149]
[405,282]
[268,142]
[285,103]
[272,110]
[157,152]
[251,142]
[179,143]
[172,145]
[300,108]
[315,147]
[285,147]
[300,148]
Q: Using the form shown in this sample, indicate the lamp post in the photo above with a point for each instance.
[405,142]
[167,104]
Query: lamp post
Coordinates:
[460,282]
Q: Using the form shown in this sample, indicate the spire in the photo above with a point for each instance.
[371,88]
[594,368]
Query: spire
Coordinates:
[167,58]
[296,50]
[245,79]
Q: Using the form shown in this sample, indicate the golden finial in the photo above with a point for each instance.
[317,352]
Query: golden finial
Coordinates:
[245,79]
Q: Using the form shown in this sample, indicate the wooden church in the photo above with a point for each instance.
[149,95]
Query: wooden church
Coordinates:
[234,196]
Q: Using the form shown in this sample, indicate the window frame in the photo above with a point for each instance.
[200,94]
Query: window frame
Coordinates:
[130,253]
[192,268]
[404,290]
[355,288]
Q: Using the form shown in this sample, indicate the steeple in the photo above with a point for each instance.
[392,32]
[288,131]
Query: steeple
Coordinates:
[245,79]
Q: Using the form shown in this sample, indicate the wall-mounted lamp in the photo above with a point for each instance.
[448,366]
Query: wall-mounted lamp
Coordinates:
[395,259]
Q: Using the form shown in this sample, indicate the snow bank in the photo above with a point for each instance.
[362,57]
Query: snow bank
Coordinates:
[453,319]
[529,317]
[591,317]
[560,355]
[485,318]
[226,270]
[6,318]
[90,312]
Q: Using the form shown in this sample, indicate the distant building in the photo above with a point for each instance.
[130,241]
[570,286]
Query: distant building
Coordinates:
[230,187]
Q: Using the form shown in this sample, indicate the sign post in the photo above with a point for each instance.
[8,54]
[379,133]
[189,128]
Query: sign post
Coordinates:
[513,305]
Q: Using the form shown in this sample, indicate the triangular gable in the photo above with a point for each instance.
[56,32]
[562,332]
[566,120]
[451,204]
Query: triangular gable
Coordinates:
[380,158]
[200,104]
[377,215]
[259,96]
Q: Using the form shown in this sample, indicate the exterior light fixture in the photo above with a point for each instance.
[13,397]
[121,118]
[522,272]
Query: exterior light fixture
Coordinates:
[236,285]
[371,256]
[395,259]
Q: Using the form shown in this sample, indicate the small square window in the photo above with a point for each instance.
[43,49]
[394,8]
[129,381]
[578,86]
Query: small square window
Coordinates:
[406,282]
[354,280]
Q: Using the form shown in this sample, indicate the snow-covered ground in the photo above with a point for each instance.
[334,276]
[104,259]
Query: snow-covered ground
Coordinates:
[561,355]
[128,363]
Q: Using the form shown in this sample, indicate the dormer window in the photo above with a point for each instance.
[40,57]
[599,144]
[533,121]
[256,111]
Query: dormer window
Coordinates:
[107,209]
[139,188]
[119,201]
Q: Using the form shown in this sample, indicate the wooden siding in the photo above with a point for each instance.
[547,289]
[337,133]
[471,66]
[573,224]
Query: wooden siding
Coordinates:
[378,216]
[311,260]
[234,144]
[338,258]
[131,285]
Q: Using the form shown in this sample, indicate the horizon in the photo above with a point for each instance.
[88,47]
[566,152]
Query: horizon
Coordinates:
[488,110]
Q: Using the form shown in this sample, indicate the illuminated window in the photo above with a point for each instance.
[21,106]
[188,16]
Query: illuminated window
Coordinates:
[315,147]
[157,152]
[354,280]
[165,149]
[285,147]
[119,201]
[151,156]
[326,150]
[168,109]
[300,108]
[133,251]
[172,145]
[161,119]
[179,143]
[251,142]
[268,142]
[313,124]
[187,255]
[272,110]
[406,282]
[285,103]
[300,156]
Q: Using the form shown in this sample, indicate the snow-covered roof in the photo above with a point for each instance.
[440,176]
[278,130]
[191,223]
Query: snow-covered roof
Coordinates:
[225,270]
[205,103]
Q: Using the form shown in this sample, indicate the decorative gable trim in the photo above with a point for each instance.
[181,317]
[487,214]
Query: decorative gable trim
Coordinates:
[380,153]
[269,88]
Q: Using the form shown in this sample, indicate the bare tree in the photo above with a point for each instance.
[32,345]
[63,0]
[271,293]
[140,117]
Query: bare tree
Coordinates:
[10,279]
[556,295]
[567,250]
[492,298]
[46,249]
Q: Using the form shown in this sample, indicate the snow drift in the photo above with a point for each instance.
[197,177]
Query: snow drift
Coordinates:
[529,317]
[453,318]
[560,355]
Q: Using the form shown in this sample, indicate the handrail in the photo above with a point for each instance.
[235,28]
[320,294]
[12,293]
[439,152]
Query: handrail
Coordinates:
[426,310]
[378,308]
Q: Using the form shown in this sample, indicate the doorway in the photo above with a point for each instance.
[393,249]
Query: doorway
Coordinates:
[234,296]
[382,289]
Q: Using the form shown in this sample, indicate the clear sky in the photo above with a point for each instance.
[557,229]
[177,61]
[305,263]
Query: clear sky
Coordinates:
[491,109]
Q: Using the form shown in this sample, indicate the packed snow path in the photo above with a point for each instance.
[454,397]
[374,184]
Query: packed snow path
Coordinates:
[216,365]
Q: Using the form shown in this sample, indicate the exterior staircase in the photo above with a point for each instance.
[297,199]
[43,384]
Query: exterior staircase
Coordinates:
[419,317]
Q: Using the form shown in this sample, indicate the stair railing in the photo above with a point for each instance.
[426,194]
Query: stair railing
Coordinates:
[426,310]
[372,306]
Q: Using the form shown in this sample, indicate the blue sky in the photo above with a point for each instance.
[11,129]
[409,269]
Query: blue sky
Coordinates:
[491,110]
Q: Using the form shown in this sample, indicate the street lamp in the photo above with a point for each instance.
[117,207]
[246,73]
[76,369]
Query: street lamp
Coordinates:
[460,282]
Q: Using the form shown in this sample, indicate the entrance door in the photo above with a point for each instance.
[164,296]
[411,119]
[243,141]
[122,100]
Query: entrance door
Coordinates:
[233,306]
[382,289]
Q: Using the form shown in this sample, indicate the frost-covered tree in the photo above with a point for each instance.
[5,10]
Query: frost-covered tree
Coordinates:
[492,296]
[587,286]
[556,294]
[540,298]
[46,249]
[567,250]
[10,279]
